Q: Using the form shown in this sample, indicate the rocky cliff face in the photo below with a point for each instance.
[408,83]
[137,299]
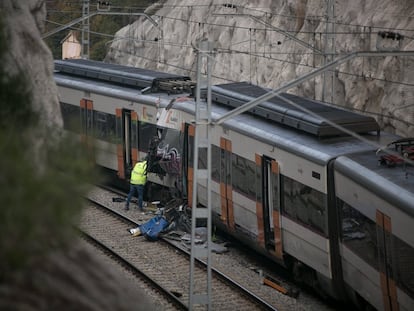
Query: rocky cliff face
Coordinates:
[270,43]
[28,55]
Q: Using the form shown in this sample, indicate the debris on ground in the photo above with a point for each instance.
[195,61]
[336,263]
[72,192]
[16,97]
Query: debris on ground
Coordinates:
[173,221]
[174,216]
[275,284]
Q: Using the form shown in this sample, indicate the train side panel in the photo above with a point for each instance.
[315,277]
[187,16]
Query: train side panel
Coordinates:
[113,121]
[276,188]
[377,244]
[297,215]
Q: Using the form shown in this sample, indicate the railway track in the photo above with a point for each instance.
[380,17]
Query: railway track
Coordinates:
[166,264]
[133,271]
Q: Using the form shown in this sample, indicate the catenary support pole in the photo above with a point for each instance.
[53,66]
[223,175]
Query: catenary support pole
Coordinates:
[200,294]
[85,30]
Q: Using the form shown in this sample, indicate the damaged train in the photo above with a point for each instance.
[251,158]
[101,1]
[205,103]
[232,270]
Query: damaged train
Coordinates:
[329,206]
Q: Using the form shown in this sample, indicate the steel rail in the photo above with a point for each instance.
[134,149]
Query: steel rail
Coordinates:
[170,296]
[219,274]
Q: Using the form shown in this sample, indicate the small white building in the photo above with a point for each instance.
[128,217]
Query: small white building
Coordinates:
[71,47]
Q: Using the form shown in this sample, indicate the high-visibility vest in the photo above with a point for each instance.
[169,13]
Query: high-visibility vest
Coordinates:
[139,173]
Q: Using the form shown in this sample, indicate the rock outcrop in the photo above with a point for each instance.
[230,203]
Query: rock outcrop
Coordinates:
[270,43]
[28,55]
[65,278]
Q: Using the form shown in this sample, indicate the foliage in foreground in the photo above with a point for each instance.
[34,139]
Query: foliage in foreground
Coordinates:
[38,208]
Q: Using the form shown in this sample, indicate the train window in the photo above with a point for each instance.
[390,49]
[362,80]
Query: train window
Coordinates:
[202,158]
[146,132]
[225,166]
[104,126]
[358,233]
[111,128]
[244,176]
[275,192]
[134,133]
[305,205]
[190,149]
[259,190]
[404,265]
[215,163]
[71,117]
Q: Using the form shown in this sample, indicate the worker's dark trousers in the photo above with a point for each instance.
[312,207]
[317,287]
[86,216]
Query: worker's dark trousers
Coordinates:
[139,189]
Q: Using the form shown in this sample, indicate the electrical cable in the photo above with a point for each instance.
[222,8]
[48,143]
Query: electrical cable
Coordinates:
[237,52]
[256,29]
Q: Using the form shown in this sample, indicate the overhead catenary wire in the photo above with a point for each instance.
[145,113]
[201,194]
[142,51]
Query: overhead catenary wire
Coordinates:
[232,51]
[349,32]
[189,70]
[267,29]
[295,32]
[242,52]
[265,11]
[247,53]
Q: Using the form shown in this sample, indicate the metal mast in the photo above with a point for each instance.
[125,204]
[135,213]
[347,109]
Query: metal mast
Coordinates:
[201,176]
[328,77]
[85,29]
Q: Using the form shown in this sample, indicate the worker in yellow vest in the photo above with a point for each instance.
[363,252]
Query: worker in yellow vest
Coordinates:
[137,183]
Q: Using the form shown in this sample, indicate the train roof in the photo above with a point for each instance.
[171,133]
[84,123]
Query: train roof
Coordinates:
[394,184]
[301,143]
[318,122]
[143,79]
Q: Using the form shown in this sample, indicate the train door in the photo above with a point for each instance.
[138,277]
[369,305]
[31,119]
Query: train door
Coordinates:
[226,189]
[271,206]
[388,286]
[127,147]
[86,109]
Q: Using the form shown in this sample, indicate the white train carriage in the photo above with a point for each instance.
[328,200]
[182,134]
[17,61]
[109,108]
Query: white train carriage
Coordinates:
[276,183]
[273,178]
[376,204]
[101,101]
